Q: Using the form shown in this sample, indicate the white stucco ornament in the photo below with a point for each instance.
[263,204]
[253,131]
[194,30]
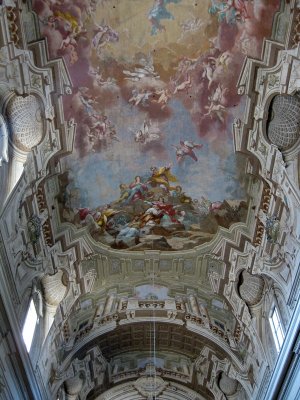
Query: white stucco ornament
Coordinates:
[3,141]
[25,118]
[150,386]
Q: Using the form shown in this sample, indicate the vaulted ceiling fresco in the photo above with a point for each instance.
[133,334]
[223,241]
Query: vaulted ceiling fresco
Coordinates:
[150,209]
[154,100]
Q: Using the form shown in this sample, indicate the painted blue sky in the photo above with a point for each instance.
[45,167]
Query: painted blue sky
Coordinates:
[98,175]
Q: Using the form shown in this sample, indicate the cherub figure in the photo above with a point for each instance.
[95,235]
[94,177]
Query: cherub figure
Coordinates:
[164,96]
[185,85]
[208,72]
[186,148]
[217,101]
[217,109]
[140,97]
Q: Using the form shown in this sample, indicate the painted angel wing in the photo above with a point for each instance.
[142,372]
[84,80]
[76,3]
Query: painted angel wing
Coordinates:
[193,155]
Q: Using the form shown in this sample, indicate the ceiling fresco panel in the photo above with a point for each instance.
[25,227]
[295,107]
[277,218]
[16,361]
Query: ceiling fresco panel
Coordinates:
[154,99]
[148,247]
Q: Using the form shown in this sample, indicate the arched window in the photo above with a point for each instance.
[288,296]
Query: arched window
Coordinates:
[29,325]
[277,329]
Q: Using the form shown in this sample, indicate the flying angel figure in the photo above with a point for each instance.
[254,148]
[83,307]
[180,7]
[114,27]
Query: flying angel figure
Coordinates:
[208,72]
[186,148]
[185,85]
[103,34]
[217,101]
[140,97]
[164,96]
[139,73]
[88,102]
